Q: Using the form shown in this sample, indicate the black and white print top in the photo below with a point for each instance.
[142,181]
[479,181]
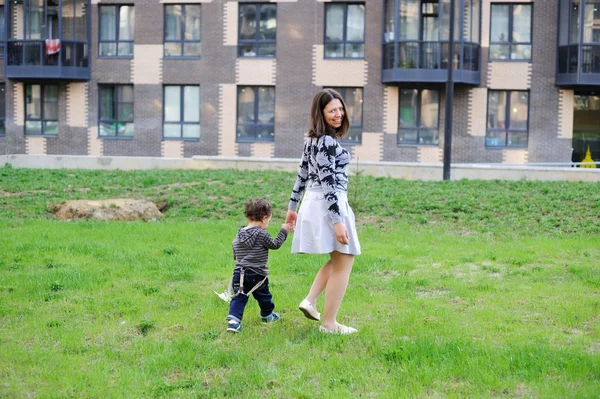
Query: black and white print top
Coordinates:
[324,165]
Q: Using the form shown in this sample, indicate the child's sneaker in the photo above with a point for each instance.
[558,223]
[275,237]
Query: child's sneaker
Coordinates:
[271,318]
[234,326]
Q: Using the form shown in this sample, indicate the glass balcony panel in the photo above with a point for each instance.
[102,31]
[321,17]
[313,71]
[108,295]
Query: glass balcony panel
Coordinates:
[388,56]
[407,55]
[33,53]
[430,55]
[563,59]
[573,59]
[68,54]
[590,59]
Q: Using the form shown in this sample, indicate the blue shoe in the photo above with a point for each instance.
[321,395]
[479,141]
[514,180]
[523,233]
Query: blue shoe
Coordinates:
[234,326]
[271,318]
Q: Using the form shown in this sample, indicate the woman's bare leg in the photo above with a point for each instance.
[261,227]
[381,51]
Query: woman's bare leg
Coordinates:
[341,266]
[319,283]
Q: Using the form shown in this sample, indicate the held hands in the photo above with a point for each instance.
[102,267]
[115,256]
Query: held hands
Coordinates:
[341,234]
[290,219]
[287,227]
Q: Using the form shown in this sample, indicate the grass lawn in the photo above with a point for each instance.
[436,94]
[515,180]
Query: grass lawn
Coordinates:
[464,289]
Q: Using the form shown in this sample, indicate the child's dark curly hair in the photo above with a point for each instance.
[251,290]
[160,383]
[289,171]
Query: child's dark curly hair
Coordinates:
[256,209]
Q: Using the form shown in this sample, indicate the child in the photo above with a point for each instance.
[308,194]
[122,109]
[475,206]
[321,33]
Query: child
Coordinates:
[251,252]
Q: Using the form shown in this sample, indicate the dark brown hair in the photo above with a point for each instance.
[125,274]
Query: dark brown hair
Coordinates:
[318,127]
[256,209]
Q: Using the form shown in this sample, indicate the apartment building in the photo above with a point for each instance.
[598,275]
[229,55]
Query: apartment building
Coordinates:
[172,78]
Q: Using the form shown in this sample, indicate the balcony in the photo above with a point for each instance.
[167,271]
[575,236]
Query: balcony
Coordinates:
[29,59]
[578,55]
[416,41]
[419,61]
[47,39]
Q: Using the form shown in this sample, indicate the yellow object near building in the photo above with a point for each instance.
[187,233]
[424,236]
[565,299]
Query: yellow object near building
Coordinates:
[587,161]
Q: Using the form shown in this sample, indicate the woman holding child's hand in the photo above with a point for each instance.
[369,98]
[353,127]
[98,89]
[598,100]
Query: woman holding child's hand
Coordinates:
[325,223]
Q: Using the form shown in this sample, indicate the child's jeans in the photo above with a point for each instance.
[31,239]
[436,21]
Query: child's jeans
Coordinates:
[261,294]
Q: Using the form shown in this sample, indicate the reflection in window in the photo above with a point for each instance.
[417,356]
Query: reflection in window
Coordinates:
[255,113]
[345,30]
[182,112]
[115,111]
[418,117]
[41,110]
[257,30]
[182,30]
[117,26]
[353,98]
[507,119]
[510,32]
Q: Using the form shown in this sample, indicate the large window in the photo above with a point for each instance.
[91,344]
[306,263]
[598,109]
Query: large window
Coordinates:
[117,26]
[507,118]
[115,111]
[510,32]
[257,30]
[182,112]
[256,113]
[344,30]
[353,98]
[41,109]
[418,117]
[182,30]
[2,109]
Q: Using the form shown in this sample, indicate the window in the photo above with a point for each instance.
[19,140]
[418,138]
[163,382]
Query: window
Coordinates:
[117,26]
[344,30]
[182,30]
[418,117]
[181,112]
[256,113]
[510,32]
[2,109]
[2,31]
[115,111]
[353,98]
[41,109]
[258,26]
[507,119]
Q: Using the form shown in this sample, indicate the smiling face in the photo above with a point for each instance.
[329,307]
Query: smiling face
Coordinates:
[333,113]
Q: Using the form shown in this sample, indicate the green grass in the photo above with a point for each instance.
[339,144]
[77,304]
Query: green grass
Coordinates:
[464,289]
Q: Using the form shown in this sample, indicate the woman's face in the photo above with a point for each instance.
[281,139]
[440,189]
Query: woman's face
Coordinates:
[333,113]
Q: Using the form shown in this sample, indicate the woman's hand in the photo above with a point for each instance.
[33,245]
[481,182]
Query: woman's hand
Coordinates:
[290,218]
[341,234]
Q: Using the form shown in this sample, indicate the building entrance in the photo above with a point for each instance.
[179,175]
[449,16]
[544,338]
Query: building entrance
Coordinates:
[586,127]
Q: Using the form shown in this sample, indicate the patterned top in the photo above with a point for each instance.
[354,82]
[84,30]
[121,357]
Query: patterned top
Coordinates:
[251,248]
[324,165]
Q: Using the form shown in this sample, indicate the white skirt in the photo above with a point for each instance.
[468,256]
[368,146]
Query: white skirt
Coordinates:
[314,232]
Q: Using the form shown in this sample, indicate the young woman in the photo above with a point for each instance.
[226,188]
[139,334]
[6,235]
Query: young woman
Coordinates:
[325,222]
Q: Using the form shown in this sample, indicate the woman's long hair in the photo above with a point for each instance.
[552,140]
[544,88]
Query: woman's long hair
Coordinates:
[318,127]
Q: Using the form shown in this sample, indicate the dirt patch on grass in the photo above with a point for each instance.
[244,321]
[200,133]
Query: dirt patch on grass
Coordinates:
[112,209]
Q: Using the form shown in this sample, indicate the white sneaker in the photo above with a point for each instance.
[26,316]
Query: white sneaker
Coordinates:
[309,310]
[340,329]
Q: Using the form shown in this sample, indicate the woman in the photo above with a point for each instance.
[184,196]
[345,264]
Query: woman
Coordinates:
[325,222]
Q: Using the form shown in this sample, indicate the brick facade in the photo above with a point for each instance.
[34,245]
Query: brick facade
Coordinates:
[298,72]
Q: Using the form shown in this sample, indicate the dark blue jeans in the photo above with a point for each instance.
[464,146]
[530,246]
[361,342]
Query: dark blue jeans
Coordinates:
[261,294]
